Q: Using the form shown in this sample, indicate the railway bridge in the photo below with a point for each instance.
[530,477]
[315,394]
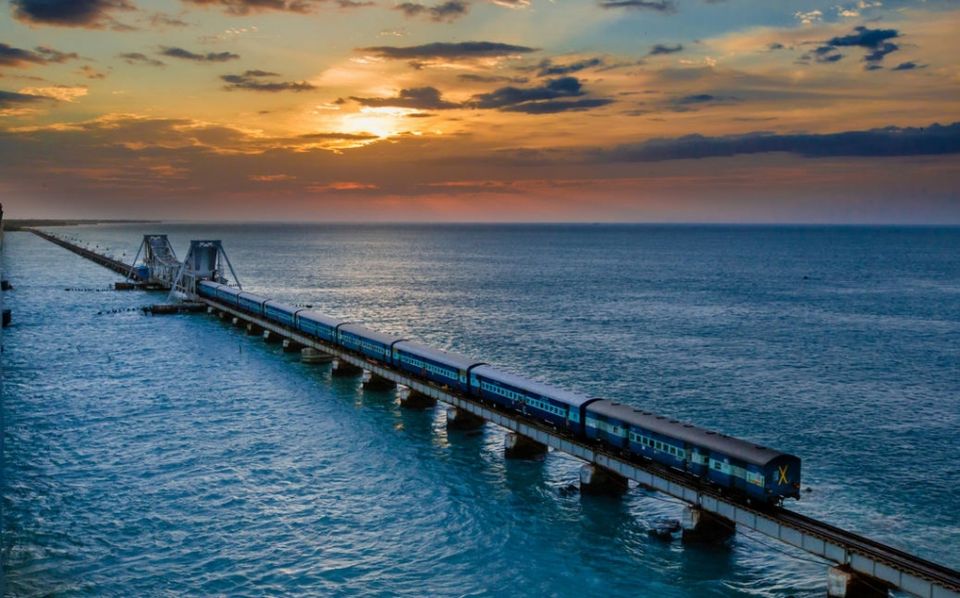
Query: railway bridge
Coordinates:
[858,567]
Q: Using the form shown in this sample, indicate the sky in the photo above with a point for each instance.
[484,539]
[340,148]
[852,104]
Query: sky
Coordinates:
[482,110]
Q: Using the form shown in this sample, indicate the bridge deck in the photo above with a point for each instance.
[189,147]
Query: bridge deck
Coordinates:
[107,262]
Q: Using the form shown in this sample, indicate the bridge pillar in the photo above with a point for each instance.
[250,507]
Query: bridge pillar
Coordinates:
[844,582]
[210,309]
[598,480]
[411,399]
[270,336]
[253,329]
[705,527]
[290,346]
[518,446]
[311,355]
[372,381]
[458,419]
[222,315]
[236,321]
[342,369]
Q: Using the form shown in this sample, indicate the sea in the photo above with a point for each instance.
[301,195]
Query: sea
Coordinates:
[176,456]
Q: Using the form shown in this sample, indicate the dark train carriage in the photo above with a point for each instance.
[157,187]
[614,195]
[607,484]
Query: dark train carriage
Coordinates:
[445,369]
[746,468]
[281,313]
[228,295]
[373,344]
[319,325]
[555,406]
[208,289]
[251,303]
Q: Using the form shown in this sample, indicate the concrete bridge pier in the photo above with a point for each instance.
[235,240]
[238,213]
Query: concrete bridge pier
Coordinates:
[222,315]
[411,399]
[311,355]
[253,329]
[705,527]
[270,336]
[210,309]
[372,381]
[458,419]
[236,321]
[598,480]
[844,582]
[518,446]
[342,369]
[290,346]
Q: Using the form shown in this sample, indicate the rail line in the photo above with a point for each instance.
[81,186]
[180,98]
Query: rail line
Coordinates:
[107,262]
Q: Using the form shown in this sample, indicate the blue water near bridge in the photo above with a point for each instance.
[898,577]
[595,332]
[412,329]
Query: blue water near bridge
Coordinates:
[177,456]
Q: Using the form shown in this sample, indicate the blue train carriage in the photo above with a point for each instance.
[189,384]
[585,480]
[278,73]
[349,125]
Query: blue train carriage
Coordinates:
[251,302]
[208,289]
[319,325]
[557,407]
[370,343]
[448,370]
[748,469]
[218,292]
[752,469]
[281,313]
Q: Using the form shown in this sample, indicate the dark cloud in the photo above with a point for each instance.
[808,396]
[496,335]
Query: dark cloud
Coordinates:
[69,13]
[253,80]
[689,103]
[136,58]
[908,66]
[889,141]
[160,19]
[474,78]
[445,11]
[243,7]
[509,96]
[12,99]
[550,97]
[665,6]
[91,73]
[421,98]
[447,51]
[10,56]
[173,52]
[547,68]
[661,49]
[876,41]
[555,106]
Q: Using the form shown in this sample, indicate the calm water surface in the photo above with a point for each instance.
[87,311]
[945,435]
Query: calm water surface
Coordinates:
[176,456]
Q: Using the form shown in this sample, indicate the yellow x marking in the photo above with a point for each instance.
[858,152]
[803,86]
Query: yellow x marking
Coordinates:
[783,474]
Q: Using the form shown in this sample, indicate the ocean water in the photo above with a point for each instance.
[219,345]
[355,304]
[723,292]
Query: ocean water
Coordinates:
[176,456]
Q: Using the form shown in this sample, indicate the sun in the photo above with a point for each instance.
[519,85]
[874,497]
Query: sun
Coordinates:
[380,121]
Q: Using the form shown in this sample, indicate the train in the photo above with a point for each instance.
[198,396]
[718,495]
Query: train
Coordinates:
[734,466]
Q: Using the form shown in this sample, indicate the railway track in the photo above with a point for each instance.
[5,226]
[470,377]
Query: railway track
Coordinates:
[893,557]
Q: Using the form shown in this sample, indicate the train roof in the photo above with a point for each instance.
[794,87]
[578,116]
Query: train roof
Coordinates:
[461,362]
[254,296]
[721,443]
[315,316]
[368,333]
[545,390]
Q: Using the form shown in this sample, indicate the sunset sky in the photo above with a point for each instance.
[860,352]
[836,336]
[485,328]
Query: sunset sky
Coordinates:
[482,110]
